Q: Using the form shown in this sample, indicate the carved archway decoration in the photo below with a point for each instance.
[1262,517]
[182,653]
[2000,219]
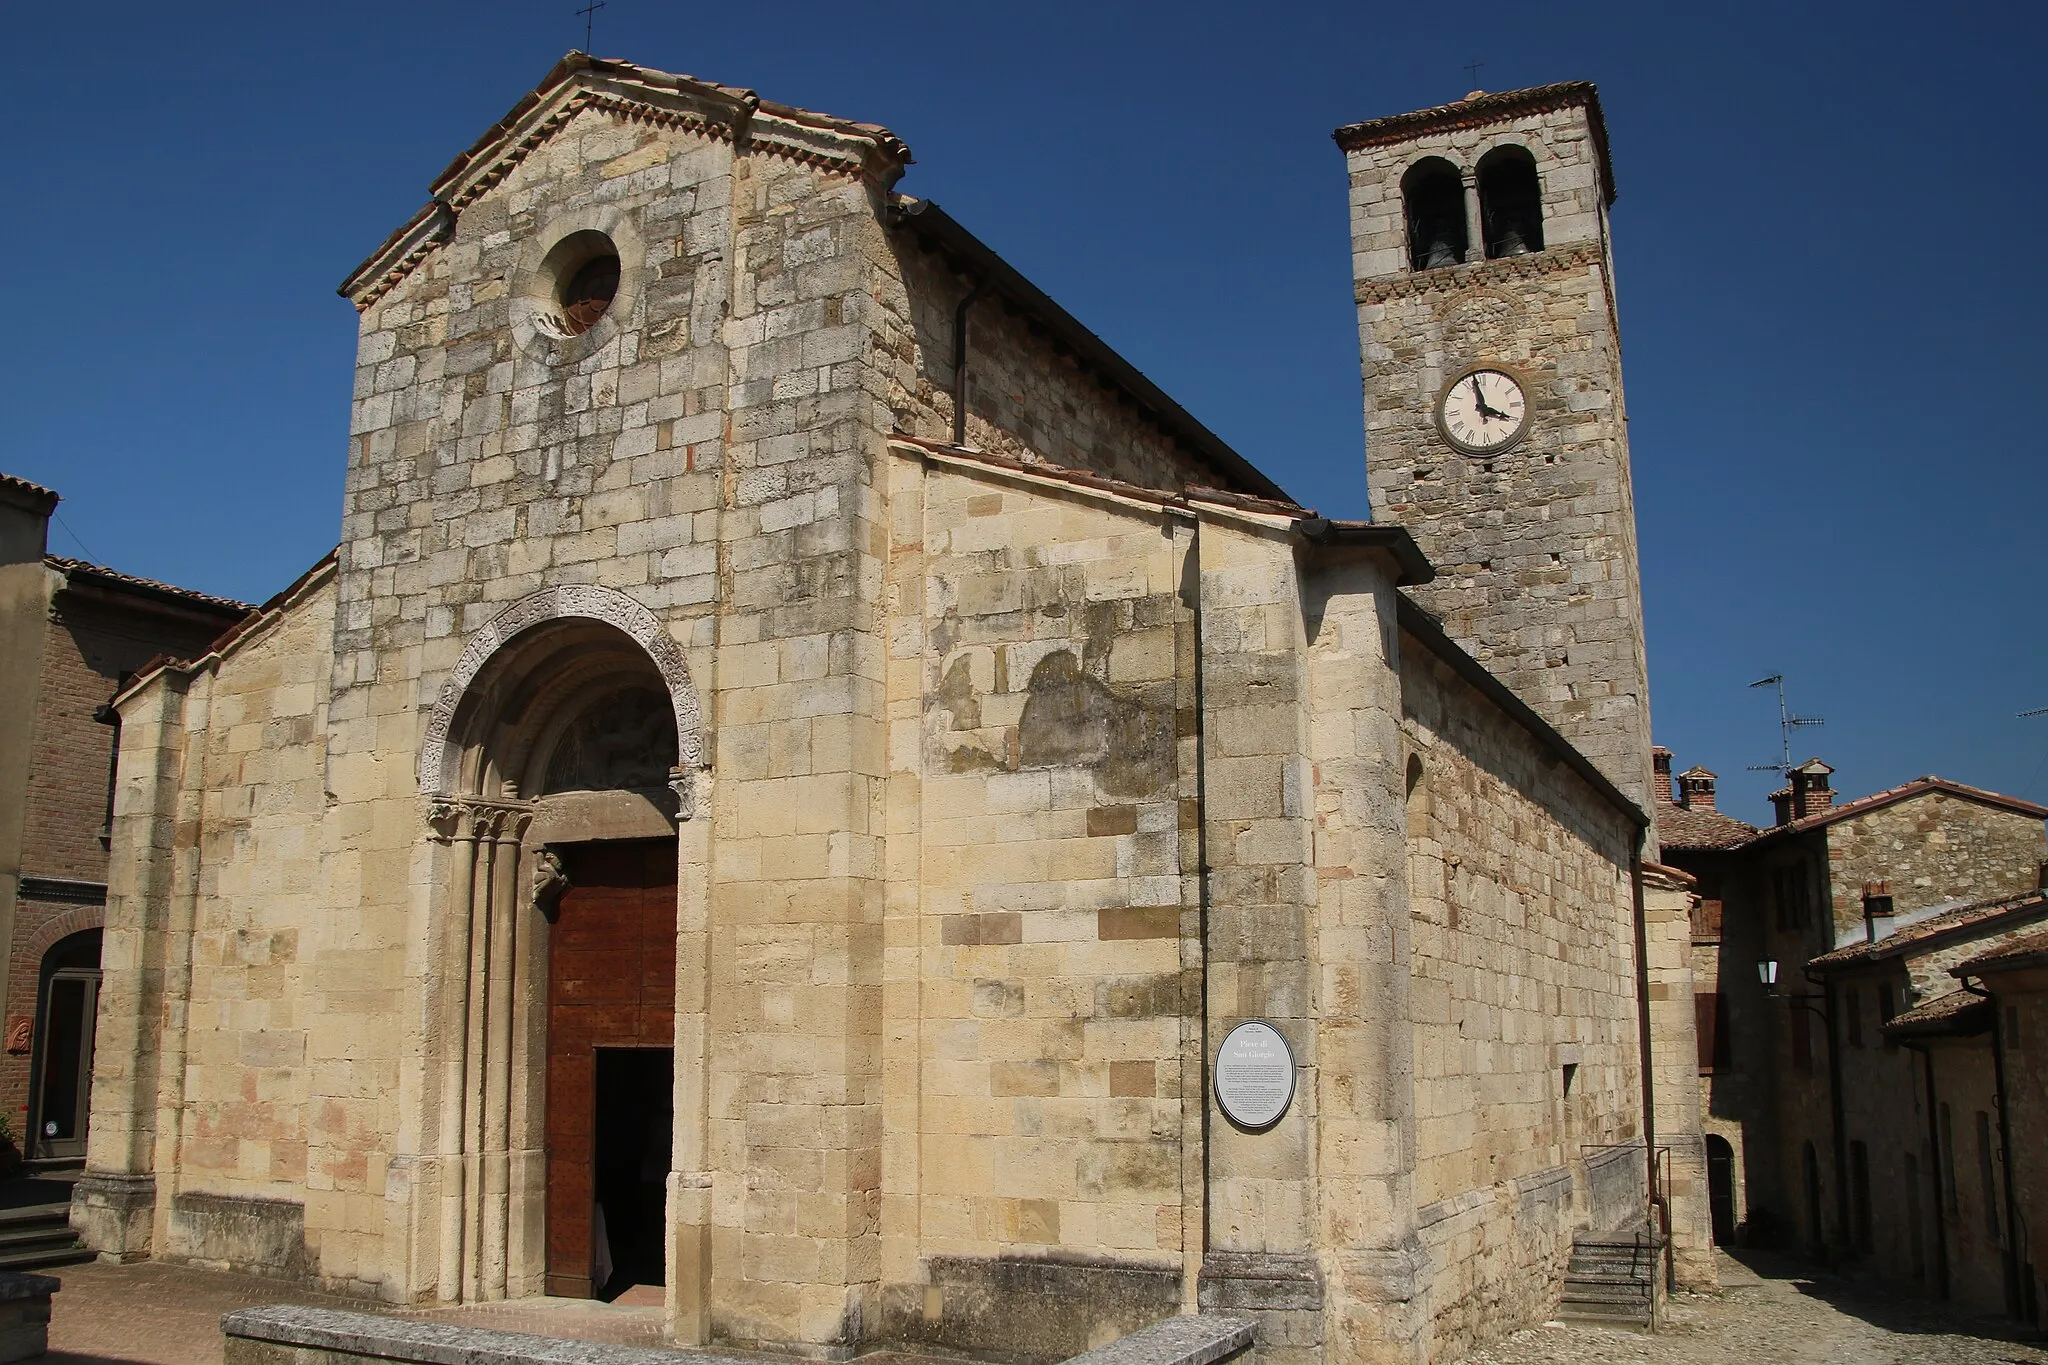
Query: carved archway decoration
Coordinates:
[439,759]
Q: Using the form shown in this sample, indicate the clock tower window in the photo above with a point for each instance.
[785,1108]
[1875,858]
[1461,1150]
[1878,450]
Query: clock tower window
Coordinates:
[1510,202]
[1433,194]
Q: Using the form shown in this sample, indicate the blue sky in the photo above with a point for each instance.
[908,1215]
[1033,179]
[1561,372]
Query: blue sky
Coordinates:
[1829,240]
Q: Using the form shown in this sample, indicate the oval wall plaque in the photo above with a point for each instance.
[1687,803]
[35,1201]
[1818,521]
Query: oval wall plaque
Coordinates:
[1254,1075]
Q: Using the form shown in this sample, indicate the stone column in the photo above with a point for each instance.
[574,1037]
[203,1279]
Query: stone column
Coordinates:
[1374,1264]
[506,888]
[114,1205]
[458,825]
[688,1297]
[1259,1257]
[1475,223]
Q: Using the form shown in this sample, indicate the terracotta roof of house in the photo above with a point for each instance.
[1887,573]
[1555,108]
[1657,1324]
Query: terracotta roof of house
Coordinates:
[1959,921]
[1480,108]
[1905,791]
[21,490]
[2028,950]
[100,572]
[1958,1012]
[1682,827]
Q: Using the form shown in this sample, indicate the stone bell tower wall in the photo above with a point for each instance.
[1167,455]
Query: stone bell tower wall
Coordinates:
[1535,547]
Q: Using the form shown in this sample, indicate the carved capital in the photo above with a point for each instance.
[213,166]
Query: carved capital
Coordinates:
[683,782]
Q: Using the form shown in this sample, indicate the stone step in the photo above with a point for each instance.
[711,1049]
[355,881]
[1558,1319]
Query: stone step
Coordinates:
[44,1258]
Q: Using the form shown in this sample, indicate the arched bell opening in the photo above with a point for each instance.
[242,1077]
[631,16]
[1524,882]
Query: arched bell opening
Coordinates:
[1433,198]
[1510,202]
[565,776]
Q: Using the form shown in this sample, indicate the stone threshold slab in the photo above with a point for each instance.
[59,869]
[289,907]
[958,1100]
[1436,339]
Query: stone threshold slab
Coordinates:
[1200,1339]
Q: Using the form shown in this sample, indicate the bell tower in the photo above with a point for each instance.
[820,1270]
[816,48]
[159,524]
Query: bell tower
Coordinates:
[1495,428]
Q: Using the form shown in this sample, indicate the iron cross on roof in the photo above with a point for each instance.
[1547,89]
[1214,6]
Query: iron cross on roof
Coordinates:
[589,13]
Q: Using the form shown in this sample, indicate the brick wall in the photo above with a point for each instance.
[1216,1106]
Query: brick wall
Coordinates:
[90,645]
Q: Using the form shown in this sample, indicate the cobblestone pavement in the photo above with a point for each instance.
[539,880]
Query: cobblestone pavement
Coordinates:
[1787,1315]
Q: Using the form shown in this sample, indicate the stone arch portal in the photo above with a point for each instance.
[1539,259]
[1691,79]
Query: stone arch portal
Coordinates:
[545,665]
[439,758]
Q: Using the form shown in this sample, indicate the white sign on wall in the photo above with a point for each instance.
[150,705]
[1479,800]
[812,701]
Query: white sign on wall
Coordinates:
[1254,1075]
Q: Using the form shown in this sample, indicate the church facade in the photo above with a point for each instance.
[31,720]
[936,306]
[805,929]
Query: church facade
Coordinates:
[802,757]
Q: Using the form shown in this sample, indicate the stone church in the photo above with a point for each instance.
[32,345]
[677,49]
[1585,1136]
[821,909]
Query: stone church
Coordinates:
[803,756]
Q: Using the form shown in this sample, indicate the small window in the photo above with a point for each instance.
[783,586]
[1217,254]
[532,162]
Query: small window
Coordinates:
[1710,1010]
[1433,195]
[1852,1013]
[1510,202]
[1887,1010]
[1802,1041]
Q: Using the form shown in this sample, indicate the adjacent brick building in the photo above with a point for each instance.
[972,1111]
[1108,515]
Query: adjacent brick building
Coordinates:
[71,635]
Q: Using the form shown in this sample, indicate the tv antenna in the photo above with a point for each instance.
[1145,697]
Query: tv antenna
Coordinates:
[1787,723]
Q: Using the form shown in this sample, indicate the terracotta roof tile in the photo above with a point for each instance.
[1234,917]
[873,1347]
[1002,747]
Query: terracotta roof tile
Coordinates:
[1958,1012]
[23,490]
[1680,827]
[1904,791]
[2028,950]
[129,580]
[1982,915]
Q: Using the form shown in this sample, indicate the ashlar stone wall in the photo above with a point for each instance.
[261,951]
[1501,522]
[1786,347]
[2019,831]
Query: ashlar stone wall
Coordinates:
[1524,970]
[1043,925]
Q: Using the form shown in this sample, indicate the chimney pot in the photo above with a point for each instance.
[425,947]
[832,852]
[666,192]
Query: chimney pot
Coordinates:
[1877,910]
[1660,772]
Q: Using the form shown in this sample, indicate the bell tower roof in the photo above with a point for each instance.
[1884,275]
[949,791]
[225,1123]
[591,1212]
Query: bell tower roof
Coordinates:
[1481,108]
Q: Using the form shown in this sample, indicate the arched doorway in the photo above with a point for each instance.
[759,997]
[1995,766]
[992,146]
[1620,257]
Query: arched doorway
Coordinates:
[1721,1188]
[67,1011]
[560,763]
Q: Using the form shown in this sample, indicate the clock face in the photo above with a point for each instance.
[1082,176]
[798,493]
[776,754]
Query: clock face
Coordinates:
[1483,412]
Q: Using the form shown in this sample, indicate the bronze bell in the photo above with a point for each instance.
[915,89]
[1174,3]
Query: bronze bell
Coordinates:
[1440,250]
[1510,241]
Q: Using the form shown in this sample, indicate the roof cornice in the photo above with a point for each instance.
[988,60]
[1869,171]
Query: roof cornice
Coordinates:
[637,94]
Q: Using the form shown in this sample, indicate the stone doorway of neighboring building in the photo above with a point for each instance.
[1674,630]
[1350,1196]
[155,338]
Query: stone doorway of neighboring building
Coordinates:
[67,1011]
[611,1066]
[1721,1188]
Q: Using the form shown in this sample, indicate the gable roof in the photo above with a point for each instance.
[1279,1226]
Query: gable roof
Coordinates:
[580,81]
[1682,827]
[1960,922]
[79,568]
[2028,950]
[1906,791]
[236,635]
[1957,1014]
[1479,109]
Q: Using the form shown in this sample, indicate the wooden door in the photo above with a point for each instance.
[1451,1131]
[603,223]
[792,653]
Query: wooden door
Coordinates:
[611,983]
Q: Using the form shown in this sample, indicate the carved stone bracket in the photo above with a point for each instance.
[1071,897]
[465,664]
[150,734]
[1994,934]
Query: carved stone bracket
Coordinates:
[570,601]
[550,880]
[683,782]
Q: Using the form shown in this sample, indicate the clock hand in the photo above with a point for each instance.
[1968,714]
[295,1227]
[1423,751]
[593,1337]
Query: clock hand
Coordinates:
[1486,414]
